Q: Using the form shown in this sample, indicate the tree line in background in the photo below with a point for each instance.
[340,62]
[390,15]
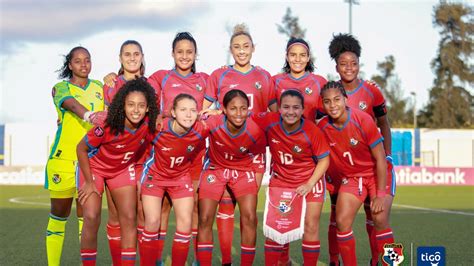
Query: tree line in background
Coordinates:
[450,102]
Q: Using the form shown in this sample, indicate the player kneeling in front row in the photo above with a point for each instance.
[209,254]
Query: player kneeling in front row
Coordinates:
[358,163]
[295,194]
[107,154]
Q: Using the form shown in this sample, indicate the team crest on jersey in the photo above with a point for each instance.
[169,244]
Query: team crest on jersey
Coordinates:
[354,142]
[242,149]
[258,85]
[56,179]
[393,254]
[308,91]
[297,149]
[362,105]
[98,96]
[211,179]
[190,148]
[344,181]
[198,87]
[99,131]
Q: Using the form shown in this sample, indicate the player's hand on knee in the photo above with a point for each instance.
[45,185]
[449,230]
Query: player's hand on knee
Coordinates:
[377,205]
[86,191]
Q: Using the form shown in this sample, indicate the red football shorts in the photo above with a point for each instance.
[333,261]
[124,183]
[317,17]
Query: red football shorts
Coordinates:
[126,177]
[361,187]
[214,181]
[177,188]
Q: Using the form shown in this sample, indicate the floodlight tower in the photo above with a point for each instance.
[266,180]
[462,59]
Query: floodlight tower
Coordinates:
[351,2]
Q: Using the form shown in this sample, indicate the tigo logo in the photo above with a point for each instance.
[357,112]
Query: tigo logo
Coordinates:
[431,256]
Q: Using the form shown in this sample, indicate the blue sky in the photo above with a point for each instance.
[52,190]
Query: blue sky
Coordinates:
[35,34]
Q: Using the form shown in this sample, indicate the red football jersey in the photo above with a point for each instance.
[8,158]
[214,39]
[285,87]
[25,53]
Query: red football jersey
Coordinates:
[309,85]
[110,92]
[233,151]
[294,154]
[174,153]
[110,153]
[351,145]
[170,83]
[256,83]
[368,98]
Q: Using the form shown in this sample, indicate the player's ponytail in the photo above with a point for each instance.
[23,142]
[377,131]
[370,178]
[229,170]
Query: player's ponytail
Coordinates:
[186,36]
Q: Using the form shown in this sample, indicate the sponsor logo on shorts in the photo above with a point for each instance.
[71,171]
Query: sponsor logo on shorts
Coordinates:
[393,254]
[297,149]
[308,91]
[198,87]
[56,179]
[431,256]
[190,148]
[258,85]
[354,142]
[345,181]
[99,131]
[362,105]
[211,179]
[98,95]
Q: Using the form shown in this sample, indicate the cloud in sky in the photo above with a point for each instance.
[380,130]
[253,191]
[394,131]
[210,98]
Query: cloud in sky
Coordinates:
[68,20]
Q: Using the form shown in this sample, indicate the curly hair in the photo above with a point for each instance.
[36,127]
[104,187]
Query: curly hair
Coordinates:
[309,66]
[64,71]
[186,36]
[342,43]
[333,85]
[116,114]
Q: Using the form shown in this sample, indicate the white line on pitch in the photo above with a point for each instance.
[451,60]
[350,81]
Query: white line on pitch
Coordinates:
[433,210]
[23,200]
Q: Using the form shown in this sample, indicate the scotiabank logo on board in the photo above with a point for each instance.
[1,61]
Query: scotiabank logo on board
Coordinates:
[425,176]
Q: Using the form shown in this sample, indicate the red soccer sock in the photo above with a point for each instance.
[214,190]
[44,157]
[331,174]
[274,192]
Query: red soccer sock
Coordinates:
[273,252]
[204,253]
[114,237]
[285,254]
[347,247]
[332,237]
[161,244]
[140,230]
[195,234]
[310,252]
[149,247]
[383,237]
[225,228]
[247,255]
[179,251]
[88,257]
[129,256]
[369,226]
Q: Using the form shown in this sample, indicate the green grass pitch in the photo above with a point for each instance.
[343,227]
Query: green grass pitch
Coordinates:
[422,216]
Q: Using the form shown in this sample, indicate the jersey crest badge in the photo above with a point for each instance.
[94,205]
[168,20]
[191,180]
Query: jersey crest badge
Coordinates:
[99,131]
[344,181]
[393,254]
[362,105]
[297,149]
[98,96]
[211,179]
[198,87]
[242,149]
[56,179]
[190,148]
[308,91]
[258,85]
[354,142]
